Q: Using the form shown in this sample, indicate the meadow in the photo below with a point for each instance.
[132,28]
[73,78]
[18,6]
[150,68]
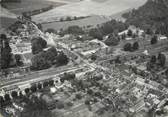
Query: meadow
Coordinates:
[30,5]
[87,8]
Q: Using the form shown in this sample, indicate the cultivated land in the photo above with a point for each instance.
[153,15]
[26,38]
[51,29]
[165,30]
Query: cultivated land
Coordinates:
[6,18]
[30,5]
[87,8]
[89,21]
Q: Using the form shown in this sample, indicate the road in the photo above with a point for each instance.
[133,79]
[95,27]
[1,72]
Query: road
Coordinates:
[38,79]
[45,74]
[36,74]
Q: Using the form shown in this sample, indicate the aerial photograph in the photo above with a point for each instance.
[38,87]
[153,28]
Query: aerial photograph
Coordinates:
[83,58]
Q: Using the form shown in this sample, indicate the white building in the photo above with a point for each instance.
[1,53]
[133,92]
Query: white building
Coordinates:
[134,30]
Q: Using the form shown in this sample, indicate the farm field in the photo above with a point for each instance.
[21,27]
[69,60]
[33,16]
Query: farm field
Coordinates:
[30,5]
[87,8]
[92,21]
[6,18]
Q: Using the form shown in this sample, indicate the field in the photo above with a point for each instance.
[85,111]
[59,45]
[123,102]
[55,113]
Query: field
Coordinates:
[30,5]
[87,8]
[93,20]
[6,18]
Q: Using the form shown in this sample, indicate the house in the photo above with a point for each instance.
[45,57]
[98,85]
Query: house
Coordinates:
[162,37]
[134,30]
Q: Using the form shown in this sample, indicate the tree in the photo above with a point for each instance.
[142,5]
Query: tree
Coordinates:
[152,15]
[96,33]
[117,60]
[6,55]
[51,54]
[68,18]
[61,19]
[14,94]
[39,62]
[60,105]
[93,57]
[45,84]
[69,104]
[90,91]
[1,101]
[18,60]
[7,98]
[149,31]
[98,94]
[159,56]
[135,46]
[112,41]
[128,47]
[26,15]
[38,44]
[75,18]
[78,96]
[154,40]
[35,107]
[162,59]
[74,30]
[166,73]
[50,30]
[27,90]
[149,66]
[153,59]
[62,59]
[51,83]
[39,86]
[113,26]
[98,77]
[123,36]
[130,33]
[40,26]
[33,88]
[69,76]
[45,59]
[87,102]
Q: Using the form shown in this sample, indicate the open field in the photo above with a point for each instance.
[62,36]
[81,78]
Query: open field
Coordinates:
[30,5]
[64,1]
[92,21]
[88,21]
[87,8]
[6,18]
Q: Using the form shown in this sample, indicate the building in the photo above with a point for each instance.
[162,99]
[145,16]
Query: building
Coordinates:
[134,30]
[162,37]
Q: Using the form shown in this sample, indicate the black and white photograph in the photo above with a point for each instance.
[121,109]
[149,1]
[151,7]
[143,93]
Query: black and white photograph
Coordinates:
[83,58]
